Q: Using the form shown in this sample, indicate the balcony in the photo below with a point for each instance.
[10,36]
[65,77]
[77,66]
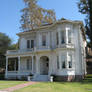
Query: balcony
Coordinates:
[13,52]
[24,51]
[70,46]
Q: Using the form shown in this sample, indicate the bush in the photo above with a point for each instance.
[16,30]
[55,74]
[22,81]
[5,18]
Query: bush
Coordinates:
[2,76]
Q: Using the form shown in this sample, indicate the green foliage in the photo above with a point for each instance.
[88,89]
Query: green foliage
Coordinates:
[5,42]
[85,7]
[34,16]
[13,47]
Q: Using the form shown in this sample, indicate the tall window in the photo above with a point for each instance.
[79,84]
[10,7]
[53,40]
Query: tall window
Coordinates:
[28,44]
[63,64]
[58,62]
[13,64]
[69,36]
[63,61]
[29,64]
[32,43]
[43,40]
[62,37]
[70,61]
[57,38]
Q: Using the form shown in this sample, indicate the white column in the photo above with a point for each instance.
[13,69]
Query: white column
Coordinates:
[6,67]
[18,63]
[48,39]
[15,65]
[66,35]
[59,37]
[67,60]
[37,65]
[32,64]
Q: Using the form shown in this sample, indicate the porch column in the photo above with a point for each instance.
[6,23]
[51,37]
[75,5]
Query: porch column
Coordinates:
[66,35]
[32,64]
[59,37]
[18,63]
[6,67]
[67,60]
[37,65]
[48,40]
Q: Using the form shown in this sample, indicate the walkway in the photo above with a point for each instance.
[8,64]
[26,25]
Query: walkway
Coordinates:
[11,89]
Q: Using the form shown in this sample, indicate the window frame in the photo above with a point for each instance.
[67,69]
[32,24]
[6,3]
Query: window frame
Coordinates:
[58,63]
[63,62]
[44,40]
[70,61]
[32,43]
[57,39]
[69,36]
[62,37]
[28,44]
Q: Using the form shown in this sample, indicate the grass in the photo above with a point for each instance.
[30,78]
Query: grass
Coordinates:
[84,86]
[7,84]
[57,87]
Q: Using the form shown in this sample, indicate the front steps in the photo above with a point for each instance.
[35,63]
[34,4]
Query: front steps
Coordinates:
[40,78]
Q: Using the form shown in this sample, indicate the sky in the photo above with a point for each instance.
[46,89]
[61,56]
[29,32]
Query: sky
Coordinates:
[10,14]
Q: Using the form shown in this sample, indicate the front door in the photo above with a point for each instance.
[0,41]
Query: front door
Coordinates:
[44,66]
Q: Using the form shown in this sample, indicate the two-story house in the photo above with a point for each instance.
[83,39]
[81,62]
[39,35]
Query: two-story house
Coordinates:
[57,49]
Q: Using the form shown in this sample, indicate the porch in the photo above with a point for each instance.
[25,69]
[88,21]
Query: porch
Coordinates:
[22,66]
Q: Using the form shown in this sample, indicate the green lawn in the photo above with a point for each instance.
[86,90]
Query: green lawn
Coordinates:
[84,86]
[58,87]
[7,84]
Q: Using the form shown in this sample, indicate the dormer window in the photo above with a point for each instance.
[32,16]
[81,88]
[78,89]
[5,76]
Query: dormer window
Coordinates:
[43,40]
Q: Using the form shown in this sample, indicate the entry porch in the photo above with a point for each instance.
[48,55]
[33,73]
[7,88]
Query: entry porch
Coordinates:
[18,67]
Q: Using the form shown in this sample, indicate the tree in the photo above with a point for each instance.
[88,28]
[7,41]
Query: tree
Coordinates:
[85,7]
[5,42]
[34,16]
[13,47]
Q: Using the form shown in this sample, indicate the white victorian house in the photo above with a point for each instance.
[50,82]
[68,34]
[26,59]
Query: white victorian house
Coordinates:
[55,49]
